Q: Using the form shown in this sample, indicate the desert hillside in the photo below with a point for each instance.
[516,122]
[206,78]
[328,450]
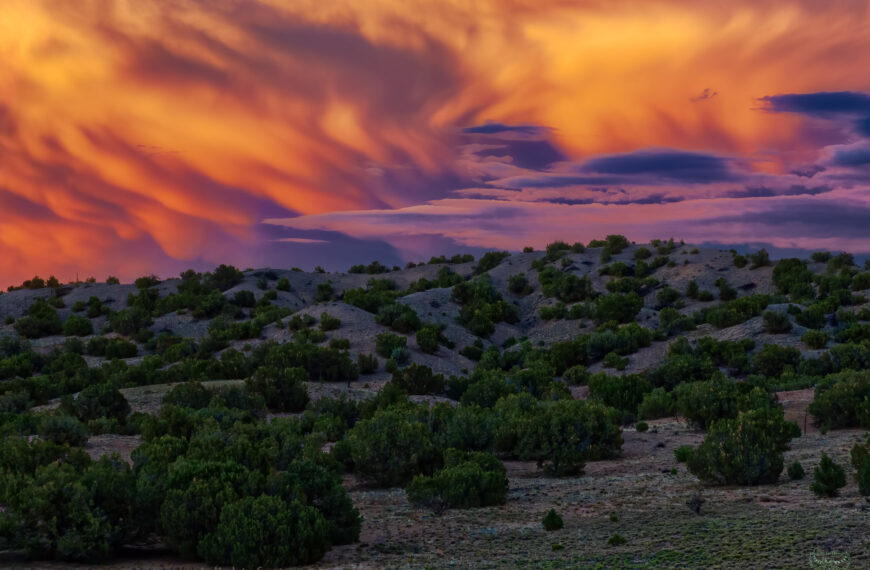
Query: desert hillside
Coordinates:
[670,404]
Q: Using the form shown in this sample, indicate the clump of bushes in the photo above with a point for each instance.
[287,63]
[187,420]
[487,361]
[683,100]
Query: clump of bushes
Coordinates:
[815,339]
[746,450]
[386,343]
[97,401]
[842,400]
[489,260]
[519,284]
[283,389]
[467,480]
[391,448]
[328,322]
[41,320]
[482,306]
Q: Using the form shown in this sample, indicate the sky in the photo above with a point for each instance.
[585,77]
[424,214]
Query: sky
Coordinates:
[145,136]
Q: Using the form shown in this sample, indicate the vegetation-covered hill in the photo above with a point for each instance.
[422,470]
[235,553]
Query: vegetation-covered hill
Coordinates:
[253,408]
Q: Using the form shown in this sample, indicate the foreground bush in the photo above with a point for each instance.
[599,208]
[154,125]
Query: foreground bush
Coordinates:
[561,435]
[746,450]
[468,480]
[391,448]
[266,531]
[71,509]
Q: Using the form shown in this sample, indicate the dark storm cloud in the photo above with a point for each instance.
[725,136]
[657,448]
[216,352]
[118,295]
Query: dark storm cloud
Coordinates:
[535,155]
[822,104]
[664,164]
[851,157]
[492,128]
[767,192]
[808,219]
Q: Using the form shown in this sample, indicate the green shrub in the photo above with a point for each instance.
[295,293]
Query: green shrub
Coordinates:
[63,430]
[266,531]
[842,400]
[702,403]
[795,471]
[552,521]
[490,260]
[759,259]
[861,463]
[130,321]
[775,323]
[613,360]
[815,339]
[189,395]
[328,322]
[78,326]
[97,401]
[283,389]
[321,488]
[616,540]
[641,426]
[576,375]
[642,253]
[726,292]
[467,480]
[620,392]
[41,320]
[746,450]
[283,284]
[683,453]
[417,379]
[774,359]
[120,348]
[386,343]
[828,478]
[223,277]
[659,403]
[324,293]
[519,284]
[391,448]
[195,493]
[428,338]
[705,296]
[72,509]
[618,307]
[667,296]
[561,435]
[339,343]
[367,363]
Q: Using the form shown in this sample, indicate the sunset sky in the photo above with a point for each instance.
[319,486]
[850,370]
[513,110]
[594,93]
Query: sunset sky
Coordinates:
[149,136]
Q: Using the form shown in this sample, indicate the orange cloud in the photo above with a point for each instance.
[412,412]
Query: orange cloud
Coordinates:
[169,130]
